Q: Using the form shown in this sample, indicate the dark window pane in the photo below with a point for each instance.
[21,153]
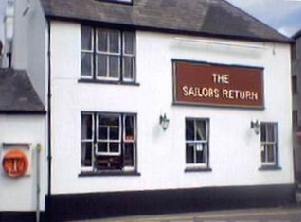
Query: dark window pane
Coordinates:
[189,129]
[86,64]
[87,126]
[114,66]
[114,41]
[86,154]
[86,36]
[189,153]
[129,42]
[107,120]
[201,130]
[270,153]
[262,132]
[114,147]
[102,147]
[114,133]
[270,133]
[103,133]
[102,65]
[200,153]
[129,154]
[262,153]
[102,40]
[129,128]
[128,67]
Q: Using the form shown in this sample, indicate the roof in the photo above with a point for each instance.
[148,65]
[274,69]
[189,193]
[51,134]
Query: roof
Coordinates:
[216,18]
[17,93]
[297,35]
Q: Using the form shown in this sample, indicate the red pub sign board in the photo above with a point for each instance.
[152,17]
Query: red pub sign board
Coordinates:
[207,84]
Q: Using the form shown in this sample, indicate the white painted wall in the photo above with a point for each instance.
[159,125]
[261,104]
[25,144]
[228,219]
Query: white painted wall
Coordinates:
[29,51]
[20,194]
[234,147]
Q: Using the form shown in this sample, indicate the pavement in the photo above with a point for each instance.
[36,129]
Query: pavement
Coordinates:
[291,214]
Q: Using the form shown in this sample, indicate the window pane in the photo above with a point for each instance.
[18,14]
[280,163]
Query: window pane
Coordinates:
[129,42]
[262,132]
[270,133]
[87,126]
[86,154]
[129,128]
[201,130]
[86,36]
[103,133]
[189,153]
[102,65]
[108,120]
[86,64]
[114,66]
[102,40]
[270,153]
[114,41]
[114,147]
[129,154]
[200,153]
[102,147]
[128,67]
[189,129]
[114,133]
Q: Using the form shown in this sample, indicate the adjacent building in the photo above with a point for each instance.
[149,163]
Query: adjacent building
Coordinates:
[145,107]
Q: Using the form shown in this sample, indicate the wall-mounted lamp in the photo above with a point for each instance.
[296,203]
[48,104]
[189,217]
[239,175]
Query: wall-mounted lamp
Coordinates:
[256,126]
[164,121]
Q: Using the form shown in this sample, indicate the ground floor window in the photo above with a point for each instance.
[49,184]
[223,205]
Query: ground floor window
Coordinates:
[197,142]
[108,141]
[269,143]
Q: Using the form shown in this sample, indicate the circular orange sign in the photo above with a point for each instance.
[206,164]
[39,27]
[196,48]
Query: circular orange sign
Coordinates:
[15,163]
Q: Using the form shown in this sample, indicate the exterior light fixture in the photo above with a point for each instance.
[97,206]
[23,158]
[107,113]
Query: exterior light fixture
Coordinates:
[164,121]
[256,126]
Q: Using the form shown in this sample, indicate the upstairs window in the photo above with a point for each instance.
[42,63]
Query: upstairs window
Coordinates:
[269,144]
[107,54]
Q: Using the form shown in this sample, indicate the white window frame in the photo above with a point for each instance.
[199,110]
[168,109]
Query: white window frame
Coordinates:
[92,55]
[108,140]
[108,54]
[196,142]
[266,143]
[126,55]
[90,168]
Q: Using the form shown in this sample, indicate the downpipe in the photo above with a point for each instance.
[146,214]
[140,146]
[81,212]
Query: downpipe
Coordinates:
[38,182]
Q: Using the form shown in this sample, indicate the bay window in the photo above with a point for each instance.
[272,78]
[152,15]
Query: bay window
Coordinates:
[108,141]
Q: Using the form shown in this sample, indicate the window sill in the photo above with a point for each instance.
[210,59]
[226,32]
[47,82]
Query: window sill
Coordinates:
[269,167]
[99,81]
[197,169]
[108,173]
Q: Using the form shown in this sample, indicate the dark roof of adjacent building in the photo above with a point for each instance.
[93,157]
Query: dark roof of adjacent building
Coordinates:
[216,18]
[297,35]
[17,93]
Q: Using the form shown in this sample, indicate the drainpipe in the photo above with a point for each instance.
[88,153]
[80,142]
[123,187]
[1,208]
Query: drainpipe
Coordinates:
[38,166]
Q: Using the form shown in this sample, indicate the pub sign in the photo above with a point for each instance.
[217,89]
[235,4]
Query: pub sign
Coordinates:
[208,84]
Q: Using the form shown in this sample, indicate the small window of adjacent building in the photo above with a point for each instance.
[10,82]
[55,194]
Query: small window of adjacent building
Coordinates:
[197,144]
[108,142]
[107,54]
[269,144]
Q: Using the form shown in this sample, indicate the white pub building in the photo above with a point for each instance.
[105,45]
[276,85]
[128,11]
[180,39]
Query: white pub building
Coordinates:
[124,107]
